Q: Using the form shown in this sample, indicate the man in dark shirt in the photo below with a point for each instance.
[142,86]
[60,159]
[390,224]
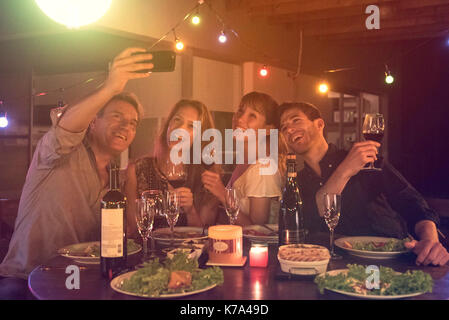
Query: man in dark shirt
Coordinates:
[373,203]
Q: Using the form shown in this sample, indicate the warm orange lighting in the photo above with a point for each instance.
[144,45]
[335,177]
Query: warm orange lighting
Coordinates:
[258,256]
[323,88]
[225,244]
[179,45]
[263,72]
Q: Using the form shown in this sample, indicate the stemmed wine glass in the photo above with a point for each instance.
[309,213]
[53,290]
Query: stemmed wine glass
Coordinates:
[176,174]
[155,200]
[332,208]
[172,208]
[145,221]
[373,129]
[232,204]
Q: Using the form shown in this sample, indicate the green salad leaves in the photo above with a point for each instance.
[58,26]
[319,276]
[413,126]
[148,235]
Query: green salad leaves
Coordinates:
[392,245]
[152,280]
[391,283]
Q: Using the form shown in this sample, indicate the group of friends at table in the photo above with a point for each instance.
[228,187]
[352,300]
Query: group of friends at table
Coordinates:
[68,176]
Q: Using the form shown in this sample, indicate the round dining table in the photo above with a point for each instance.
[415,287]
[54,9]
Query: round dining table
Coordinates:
[48,282]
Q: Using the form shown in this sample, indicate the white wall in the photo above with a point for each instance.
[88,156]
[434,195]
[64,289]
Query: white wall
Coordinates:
[282,87]
[159,92]
[217,84]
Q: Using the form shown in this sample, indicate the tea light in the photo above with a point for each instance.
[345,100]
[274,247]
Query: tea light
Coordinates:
[225,244]
[258,255]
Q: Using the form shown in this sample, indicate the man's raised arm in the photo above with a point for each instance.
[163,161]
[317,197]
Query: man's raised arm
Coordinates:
[78,117]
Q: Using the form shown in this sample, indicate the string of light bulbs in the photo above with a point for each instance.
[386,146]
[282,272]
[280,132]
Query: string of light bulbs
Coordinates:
[225,30]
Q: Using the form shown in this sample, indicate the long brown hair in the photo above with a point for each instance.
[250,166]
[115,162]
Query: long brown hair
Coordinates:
[194,171]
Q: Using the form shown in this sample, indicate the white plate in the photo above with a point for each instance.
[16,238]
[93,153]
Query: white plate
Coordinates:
[117,282]
[166,232]
[269,237]
[72,250]
[367,254]
[362,296]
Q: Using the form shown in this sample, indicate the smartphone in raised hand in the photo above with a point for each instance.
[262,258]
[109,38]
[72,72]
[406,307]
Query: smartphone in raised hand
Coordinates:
[163,61]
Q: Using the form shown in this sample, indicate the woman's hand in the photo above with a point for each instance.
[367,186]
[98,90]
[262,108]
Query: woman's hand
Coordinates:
[212,182]
[185,196]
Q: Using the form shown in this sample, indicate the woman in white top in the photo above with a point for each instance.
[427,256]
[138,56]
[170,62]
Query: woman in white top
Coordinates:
[259,194]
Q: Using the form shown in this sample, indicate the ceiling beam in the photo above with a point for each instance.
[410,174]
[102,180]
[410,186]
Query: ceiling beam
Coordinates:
[387,11]
[344,25]
[270,8]
[276,7]
[419,32]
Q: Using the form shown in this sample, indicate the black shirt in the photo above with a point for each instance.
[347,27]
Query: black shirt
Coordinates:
[379,203]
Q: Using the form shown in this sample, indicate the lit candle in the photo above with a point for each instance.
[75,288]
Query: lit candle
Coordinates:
[258,255]
[225,244]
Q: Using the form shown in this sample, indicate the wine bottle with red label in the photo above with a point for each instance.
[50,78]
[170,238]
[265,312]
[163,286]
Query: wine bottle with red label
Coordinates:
[113,227]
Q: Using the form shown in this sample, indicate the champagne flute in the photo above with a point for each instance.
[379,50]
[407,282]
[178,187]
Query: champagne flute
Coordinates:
[154,197]
[172,208]
[145,221]
[373,129]
[332,208]
[232,204]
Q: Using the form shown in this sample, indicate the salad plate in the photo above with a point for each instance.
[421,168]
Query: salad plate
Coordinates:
[89,252]
[336,280]
[116,285]
[372,247]
[181,234]
[261,233]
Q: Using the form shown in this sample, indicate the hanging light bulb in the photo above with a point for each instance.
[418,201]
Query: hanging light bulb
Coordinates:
[222,37]
[179,45]
[3,116]
[389,79]
[263,72]
[196,19]
[323,87]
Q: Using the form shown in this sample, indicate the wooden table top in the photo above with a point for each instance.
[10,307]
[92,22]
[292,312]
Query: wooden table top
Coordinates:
[240,283]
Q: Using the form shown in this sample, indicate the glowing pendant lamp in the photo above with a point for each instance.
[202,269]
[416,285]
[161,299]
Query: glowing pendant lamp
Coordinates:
[74,13]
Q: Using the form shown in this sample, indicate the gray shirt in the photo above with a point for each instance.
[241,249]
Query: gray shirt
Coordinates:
[60,202]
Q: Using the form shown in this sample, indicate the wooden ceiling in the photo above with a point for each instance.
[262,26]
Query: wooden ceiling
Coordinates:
[344,20]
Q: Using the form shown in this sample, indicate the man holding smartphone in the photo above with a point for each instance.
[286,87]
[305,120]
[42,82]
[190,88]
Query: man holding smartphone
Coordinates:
[60,202]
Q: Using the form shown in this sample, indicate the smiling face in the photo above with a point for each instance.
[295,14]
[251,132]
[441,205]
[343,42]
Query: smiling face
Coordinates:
[299,132]
[249,118]
[182,119]
[115,129]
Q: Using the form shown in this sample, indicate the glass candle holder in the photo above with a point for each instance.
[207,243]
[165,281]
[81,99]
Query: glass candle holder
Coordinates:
[225,244]
[258,255]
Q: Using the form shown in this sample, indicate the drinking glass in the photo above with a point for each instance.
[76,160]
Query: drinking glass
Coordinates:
[332,207]
[172,208]
[176,174]
[232,204]
[373,129]
[155,199]
[145,220]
